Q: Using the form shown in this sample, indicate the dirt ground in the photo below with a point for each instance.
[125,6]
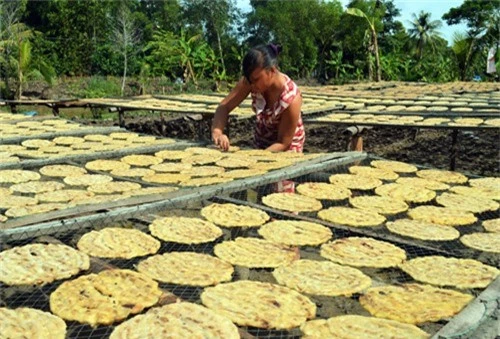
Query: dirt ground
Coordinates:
[478,152]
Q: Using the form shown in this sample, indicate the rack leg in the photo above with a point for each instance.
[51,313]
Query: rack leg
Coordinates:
[55,110]
[121,118]
[454,149]
[356,143]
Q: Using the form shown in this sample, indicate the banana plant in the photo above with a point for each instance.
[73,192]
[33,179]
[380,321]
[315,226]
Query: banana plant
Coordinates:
[390,64]
[371,25]
[214,63]
[193,56]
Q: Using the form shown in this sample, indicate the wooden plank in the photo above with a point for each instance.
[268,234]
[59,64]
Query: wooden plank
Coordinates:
[479,319]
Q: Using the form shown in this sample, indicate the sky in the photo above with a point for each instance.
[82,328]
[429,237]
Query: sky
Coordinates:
[407,7]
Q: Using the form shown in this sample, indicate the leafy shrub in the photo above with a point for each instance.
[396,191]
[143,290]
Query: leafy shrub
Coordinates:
[99,87]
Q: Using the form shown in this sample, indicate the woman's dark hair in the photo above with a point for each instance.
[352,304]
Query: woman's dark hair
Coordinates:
[265,56]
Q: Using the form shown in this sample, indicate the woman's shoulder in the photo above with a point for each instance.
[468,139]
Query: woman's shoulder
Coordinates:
[291,88]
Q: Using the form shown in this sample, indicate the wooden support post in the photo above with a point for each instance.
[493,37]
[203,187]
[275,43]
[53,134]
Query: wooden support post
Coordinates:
[121,117]
[55,110]
[415,133]
[454,149]
[354,138]
[13,108]
[356,143]
[163,127]
[205,120]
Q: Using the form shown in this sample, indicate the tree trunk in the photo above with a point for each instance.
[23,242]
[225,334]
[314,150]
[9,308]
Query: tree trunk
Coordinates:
[467,59]
[20,85]
[220,52]
[125,64]
[190,71]
[19,75]
[370,65]
[377,57]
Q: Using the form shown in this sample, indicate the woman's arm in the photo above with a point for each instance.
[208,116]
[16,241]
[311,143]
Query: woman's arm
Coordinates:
[230,102]
[288,125]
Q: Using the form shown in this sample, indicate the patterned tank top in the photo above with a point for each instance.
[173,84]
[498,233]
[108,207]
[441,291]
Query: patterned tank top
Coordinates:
[268,119]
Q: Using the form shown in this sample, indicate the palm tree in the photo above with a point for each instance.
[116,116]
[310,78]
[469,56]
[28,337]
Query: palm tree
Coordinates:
[424,31]
[21,59]
[462,45]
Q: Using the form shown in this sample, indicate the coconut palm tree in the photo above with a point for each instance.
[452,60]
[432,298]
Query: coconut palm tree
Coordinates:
[424,31]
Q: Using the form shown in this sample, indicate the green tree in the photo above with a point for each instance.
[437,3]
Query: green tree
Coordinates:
[461,46]
[424,31]
[73,31]
[16,49]
[162,15]
[19,61]
[215,20]
[371,21]
[160,54]
[327,39]
[278,21]
[10,15]
[183,55]
[483,28]
[337,66]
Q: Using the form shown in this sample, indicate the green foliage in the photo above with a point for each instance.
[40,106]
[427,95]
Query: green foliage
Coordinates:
[99,87]
[204,41]
[373,19]
[424,32]
[478,15]
[278,21]
[391,67]
[183,55]
[341,71]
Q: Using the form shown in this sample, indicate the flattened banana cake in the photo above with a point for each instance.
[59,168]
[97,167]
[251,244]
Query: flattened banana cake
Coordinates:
[117,242]
[102,299]
[322,278]
[363,252]
[295,232]
[255,252]
[231,215]
[186,268]
[185,230]
[177,320]
[413,303]
[259,304]
[40,264]
[26,322]
[356,326]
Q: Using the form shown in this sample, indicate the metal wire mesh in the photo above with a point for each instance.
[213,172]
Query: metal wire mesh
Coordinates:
[415,247]
[70,230]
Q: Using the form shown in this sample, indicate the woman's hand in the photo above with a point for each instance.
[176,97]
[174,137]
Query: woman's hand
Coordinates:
[221,140]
